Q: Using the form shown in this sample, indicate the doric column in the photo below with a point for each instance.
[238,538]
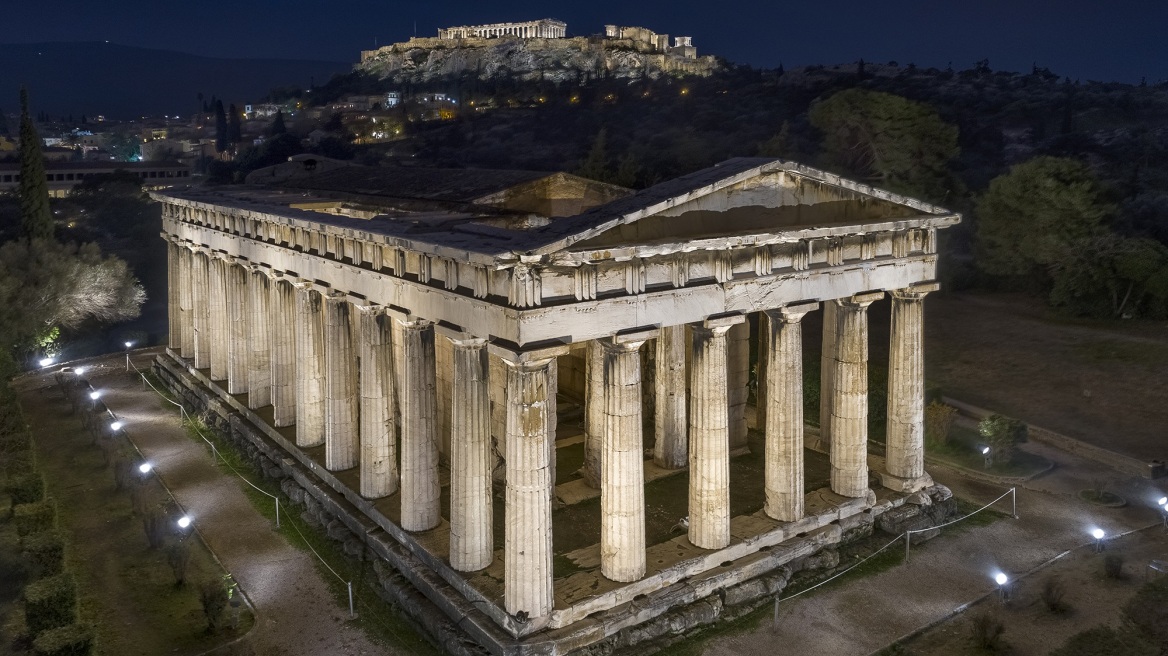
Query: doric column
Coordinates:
[217,313]
[185,308]
[737,382]
[419,427]
[784,412]
[340,428]
[709,434]
[282,329]
[826,376]
[237,346]
[378,431]
[622,480]
[527,555]
[905,438]
[173,282]
[310,349]
[671,448]
[849,408]
[553,420]
[471,510]
[259,360]
[593,414]
[200,283]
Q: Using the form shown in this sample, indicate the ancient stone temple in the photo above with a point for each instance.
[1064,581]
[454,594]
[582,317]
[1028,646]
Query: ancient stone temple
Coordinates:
[488,377]
[546,28]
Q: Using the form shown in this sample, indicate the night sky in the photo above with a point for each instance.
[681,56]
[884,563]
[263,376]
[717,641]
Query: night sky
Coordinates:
[1091,40]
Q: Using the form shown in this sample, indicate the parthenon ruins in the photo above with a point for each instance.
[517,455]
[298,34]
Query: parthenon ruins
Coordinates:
[547,28]
[406,344]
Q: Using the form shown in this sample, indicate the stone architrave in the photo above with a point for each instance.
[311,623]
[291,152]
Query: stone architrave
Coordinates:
[201,321]
[527,551]
[671,448]
[186,313]
[784,412]
[827,356]
[379,477]
[259,361]
[709,434]
[471,511]
[593,414]
[237,316]
[905,454]
[173,322]
[341,450]
[849,409]
[420,510]
[310,414]
[622,481]
[217,313]
[283,350]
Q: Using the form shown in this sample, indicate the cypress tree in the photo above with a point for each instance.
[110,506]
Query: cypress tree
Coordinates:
[220,128]
[277,127]
[36,220]
[234,129]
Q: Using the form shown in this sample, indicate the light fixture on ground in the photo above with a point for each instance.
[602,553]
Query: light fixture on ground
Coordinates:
[1098,534]
[145,468]
[1002,580]
[93,396]
[989,458]
[128,345]
[116,426]
[78,370]
[44,362]
[184,521]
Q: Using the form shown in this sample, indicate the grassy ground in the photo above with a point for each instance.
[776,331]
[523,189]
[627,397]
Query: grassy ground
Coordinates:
[126,589]
[963,448]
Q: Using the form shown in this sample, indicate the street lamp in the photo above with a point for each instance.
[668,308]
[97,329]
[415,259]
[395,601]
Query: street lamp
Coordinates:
[116,426]
[1003,593]
[145,467]
[184,522]
[1098,534]
[989,458]
[128,345]
[1162,502]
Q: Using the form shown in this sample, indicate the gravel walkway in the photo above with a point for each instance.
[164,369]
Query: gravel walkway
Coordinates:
[295,613]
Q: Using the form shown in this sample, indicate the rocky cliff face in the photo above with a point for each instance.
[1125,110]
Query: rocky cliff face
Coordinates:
[554,60]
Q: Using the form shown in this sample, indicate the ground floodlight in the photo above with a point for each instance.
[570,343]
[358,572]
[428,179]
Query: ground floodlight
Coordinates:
[79,370]
[184,521]
[129,344]
[1162,501]
[46,362]
[116,426]
[94,394]
[1097,534]
[985,450]
[145,467]
[1000,578]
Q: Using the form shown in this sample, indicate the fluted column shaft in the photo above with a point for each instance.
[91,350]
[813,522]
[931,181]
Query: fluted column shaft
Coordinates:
[905,440]
[217,313]
[827,374]
[237,315]
[784,412]
[420,510]
[340,429]
[259,360]
[185,308]
[709,458]
[282,331]
[527,555]
[671,448]
[622,481]
[471,511]
[173,282]
[379,476]
[201,321]
[849,409]
[310,415]
[593,414]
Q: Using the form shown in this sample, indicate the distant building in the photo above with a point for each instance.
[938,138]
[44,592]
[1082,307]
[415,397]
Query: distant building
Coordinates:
[392,99]
[547,28]
[264,110]
[64,176]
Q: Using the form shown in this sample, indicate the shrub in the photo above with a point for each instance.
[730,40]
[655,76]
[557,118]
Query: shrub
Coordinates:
[1003,435]
[1106,641]
[154,523]
[178,557]
[26,488]
[69,640]
[21,461]
[986,630]
[45,551]
[213,597]
[1052,595]
[1148,610]
[123,473]
[50,603]
[33,517]
[939,421]
[1113,566]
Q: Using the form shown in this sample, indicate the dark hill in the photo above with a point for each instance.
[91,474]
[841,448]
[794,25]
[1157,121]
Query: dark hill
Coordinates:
[125,82]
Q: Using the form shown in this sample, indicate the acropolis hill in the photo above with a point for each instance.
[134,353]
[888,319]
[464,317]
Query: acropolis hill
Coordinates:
[537,50]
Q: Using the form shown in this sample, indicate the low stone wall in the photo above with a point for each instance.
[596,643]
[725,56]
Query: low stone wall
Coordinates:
[1125,464]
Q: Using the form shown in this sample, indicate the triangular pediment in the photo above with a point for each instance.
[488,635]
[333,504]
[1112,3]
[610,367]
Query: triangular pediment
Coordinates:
[738,197]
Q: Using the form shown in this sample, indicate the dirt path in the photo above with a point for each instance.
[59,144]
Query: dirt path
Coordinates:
[295,613]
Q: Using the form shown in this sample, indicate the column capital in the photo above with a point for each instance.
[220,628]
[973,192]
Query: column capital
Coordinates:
[717,324]
[370,309]
[859,301]
[334,294]
[915,292]
[516,356]
[629,340]
[302,284]
[791,313]
[414,323]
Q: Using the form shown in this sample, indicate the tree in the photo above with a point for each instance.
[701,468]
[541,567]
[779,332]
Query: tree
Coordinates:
[221,141]
[36,219]
[778,145]
[277,127]
[1030,217]
[595,165]
[893,142]
[123,146]
[1110,276]
[234,130]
